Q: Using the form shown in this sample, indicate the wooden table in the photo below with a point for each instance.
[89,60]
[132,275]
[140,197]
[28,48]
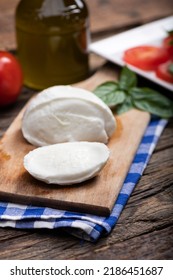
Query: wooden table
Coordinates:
[144,230]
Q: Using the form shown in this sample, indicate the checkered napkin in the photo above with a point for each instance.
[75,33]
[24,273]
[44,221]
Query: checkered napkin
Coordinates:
[85,226]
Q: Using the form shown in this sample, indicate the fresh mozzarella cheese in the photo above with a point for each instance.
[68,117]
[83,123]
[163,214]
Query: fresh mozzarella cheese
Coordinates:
[67,163]
[65,114]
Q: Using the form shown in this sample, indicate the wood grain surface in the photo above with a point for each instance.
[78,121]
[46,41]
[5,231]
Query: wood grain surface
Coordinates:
[144,229]
[96,196]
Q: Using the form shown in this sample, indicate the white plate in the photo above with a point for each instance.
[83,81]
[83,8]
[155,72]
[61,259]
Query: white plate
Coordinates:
[153,33]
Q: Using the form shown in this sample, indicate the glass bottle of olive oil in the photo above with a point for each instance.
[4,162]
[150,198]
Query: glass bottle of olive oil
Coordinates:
[52,39]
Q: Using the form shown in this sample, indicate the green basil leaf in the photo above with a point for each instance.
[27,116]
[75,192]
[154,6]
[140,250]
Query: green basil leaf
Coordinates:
[105,88]
[170,32]
[127,79]
[170,68]
[151,101]
[108,92]
[171,43]
[125,106]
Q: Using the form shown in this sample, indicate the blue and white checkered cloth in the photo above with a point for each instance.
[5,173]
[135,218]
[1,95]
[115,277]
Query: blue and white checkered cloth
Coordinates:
[85,226]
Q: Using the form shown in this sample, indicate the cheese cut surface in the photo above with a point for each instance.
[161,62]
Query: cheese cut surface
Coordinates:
[66,163]
[66,114]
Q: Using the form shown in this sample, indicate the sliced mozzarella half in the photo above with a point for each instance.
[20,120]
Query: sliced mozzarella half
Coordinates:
[63,114]
[66,163]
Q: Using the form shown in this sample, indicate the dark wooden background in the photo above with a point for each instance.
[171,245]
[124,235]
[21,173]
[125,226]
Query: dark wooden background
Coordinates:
[144,230]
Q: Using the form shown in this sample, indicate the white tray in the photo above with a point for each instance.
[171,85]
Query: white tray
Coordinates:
[112,48]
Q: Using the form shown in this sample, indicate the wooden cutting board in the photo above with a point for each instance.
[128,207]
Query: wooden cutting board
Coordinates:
[95,196]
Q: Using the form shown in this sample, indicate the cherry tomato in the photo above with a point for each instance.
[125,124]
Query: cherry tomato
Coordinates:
[163,72]
[146,57]
[168,44]
[11,78]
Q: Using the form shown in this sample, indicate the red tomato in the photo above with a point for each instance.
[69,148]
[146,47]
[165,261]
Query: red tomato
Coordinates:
[146,57]
[11,78]
[168,44]
[163,72]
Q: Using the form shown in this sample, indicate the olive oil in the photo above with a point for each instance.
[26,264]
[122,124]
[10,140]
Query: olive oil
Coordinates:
[52,39]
